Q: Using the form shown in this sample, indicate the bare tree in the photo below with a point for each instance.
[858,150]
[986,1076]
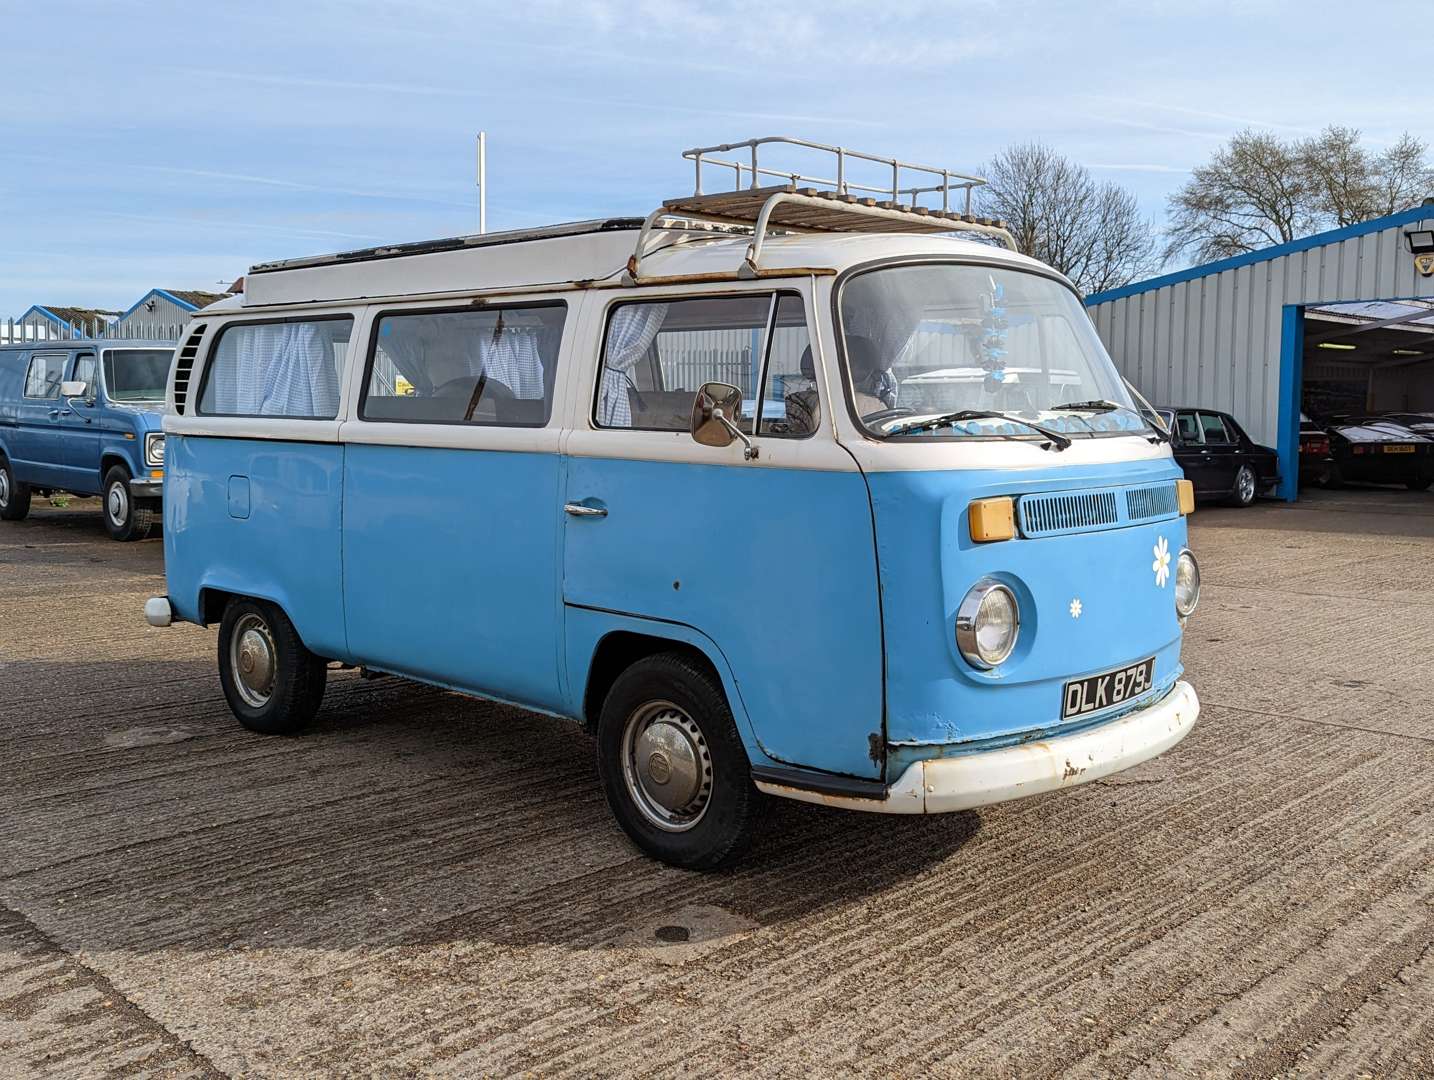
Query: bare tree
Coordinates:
[1261,190]
[1093,233]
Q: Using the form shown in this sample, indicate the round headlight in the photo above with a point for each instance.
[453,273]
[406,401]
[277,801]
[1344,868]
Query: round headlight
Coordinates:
[987,624]
[1187,584]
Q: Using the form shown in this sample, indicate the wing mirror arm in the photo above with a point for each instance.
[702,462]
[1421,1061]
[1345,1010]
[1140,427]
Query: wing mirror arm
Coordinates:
[711,425]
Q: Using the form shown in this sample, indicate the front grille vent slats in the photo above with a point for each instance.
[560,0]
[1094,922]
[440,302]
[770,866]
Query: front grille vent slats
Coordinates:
[184,367]
[1088,511]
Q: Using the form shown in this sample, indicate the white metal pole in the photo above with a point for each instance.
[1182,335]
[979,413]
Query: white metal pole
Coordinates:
[482,182]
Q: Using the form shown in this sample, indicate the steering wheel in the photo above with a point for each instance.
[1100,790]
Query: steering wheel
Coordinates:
[887,414]
[464,384]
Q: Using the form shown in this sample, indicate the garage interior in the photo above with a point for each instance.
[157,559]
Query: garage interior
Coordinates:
[1372,356]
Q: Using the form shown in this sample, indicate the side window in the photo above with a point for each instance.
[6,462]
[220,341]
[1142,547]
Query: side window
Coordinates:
[85,372]
[1214,429]
[1189,429]
[657,354]
[279,369]
[44,375]
[496,366]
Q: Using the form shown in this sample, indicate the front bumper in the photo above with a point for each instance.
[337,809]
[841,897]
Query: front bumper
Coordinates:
[144,488]
[940,785]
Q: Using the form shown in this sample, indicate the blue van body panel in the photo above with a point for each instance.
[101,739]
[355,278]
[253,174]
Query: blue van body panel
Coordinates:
[777,567]
[451,568]
[939,703]
[287,550]
[585,630]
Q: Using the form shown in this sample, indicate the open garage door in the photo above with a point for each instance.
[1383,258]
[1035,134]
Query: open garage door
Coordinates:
[1368,385]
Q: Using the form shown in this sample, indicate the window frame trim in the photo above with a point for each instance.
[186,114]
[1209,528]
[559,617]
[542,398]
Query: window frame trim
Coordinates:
[468,308]
[66,358]
[774,295]
[212,346]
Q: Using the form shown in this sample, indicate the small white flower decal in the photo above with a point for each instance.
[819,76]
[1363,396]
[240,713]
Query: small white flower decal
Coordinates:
[1076,608]
[1161,565]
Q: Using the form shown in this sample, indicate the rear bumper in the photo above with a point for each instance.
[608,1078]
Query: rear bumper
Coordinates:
[940,785]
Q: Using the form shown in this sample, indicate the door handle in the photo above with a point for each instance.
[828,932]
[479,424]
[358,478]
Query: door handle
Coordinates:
[585,509]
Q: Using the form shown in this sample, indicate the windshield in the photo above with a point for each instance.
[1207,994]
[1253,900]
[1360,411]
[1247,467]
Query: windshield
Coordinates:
[137,374]
[926,340]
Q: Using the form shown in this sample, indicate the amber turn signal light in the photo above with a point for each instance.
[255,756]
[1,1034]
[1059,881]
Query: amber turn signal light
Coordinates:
[992,519]
[1185,491]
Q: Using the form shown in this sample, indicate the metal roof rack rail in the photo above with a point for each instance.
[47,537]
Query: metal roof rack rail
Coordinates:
[824,204]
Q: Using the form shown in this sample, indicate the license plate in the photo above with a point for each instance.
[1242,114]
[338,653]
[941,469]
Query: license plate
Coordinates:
[1111,688]
[1399,449]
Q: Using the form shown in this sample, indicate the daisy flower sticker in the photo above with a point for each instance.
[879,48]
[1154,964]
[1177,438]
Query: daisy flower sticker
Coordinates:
[1161,565]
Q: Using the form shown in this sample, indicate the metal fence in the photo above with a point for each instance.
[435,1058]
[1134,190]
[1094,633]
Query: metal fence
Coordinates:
[18,332]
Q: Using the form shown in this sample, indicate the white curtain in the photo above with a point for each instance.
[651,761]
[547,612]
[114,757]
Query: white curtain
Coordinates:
[629,336]
[514,361]
[283,369]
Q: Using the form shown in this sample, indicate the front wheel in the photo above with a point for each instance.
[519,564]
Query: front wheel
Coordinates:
[126,518]
[14,496]
[1243,493]
[273,683]
[673,766]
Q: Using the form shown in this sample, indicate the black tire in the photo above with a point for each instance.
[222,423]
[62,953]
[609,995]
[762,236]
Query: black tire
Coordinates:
[14,496]
[1246,487]
[1419,485]
[126,518]
[670,695]
[290,696]
[1331,477]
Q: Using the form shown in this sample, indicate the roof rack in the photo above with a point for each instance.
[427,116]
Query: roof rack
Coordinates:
[825,205]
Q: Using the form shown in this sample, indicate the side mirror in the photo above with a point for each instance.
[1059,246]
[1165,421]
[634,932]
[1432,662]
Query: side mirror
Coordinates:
[73,388]
[712,409]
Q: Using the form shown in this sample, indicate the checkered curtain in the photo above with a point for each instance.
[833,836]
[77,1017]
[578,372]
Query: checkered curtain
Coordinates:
[629,336]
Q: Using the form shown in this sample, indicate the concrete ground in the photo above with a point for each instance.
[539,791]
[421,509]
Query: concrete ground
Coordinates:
[430,885]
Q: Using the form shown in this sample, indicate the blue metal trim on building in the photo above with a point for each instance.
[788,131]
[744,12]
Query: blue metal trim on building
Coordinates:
[1334,236]
[1292,352]
[166,294]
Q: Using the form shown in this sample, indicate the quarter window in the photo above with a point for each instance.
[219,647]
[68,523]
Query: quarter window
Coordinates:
[44,375]
[494,367]
[279,369]
[658,354]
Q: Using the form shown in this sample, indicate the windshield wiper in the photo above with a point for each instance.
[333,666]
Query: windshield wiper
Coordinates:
[1058,441]
[1095,405]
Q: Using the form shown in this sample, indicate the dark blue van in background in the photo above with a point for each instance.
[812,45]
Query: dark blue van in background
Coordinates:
[83,417]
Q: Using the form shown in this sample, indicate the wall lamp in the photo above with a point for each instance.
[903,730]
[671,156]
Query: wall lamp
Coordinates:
[1419,240]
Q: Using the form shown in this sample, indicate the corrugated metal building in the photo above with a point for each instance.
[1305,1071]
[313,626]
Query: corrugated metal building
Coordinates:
[167,307]
[1230,335]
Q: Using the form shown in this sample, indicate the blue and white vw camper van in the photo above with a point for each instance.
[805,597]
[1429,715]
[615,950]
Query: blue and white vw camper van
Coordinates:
[784,490]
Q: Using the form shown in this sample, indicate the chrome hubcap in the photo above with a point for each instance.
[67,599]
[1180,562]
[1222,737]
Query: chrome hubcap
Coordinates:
[252,659]
[666,766]
[1247,485]
[4,488]
[117,503]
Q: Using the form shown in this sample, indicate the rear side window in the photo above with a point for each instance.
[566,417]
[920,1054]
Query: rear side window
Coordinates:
[1213,427]
[657,355]
[1189,429]
[44,375]
[288,369]
[495,366]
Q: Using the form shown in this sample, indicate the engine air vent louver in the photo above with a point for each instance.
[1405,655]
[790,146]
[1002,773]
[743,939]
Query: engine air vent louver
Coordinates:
[184,368]
[1149,502]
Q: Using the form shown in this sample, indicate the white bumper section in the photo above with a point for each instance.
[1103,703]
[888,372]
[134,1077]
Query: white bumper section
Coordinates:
[1015,772]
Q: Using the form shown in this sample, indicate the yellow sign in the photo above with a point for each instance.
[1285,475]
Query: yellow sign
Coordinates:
[1424,263]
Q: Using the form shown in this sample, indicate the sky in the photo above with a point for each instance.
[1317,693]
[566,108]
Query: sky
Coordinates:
[174,144]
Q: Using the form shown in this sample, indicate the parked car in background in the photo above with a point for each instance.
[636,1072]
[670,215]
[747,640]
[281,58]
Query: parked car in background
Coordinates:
[1377,450]
[83,417]
[1421,423]
[1314,450]
[1218,457]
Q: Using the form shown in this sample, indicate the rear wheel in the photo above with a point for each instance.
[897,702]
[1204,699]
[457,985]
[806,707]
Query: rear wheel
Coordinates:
[14,496]
[1331,476]
[273,683]
[673,766]
[1246,486]
[126,518]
